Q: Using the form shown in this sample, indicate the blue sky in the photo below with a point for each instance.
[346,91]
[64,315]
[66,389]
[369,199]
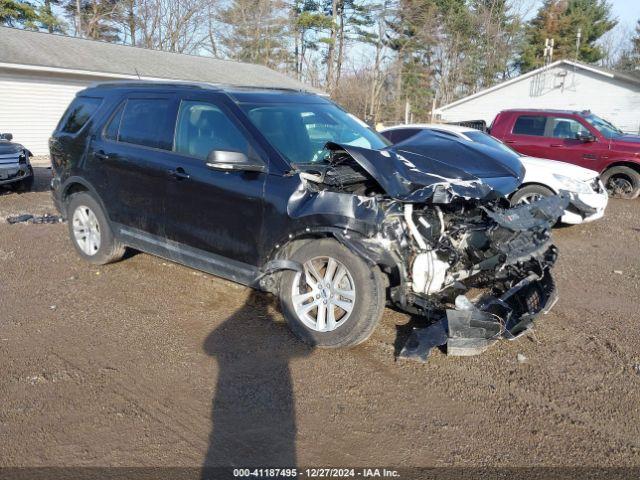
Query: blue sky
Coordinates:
[627,11]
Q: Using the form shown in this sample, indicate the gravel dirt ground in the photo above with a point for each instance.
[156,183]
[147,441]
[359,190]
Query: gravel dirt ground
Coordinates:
[148,363]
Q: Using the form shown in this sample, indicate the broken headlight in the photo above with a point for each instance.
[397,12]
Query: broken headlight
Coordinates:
[572,185]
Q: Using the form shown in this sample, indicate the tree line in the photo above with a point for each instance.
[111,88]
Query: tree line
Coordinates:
[382,59]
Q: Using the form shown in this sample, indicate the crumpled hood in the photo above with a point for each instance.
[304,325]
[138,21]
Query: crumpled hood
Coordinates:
[436,167]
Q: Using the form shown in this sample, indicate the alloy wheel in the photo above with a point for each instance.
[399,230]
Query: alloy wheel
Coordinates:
[619,186]
[530,198]
[86,230]
[324,294]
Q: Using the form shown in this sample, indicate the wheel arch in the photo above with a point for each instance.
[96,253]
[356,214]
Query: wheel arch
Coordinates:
[532,184]
[622,163]
[76,185]
[391,269]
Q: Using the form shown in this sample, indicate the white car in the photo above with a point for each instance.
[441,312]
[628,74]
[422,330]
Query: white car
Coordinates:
[542,178]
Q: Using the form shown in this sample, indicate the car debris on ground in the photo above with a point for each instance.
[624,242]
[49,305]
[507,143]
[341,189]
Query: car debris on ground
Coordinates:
[34,219]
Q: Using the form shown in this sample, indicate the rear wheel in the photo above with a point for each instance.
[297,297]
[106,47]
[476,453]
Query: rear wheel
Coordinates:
[530,193]
[90,231]
[337,300]
[622,182]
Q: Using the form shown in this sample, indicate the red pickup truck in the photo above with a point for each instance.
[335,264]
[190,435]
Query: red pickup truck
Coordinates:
[581,138]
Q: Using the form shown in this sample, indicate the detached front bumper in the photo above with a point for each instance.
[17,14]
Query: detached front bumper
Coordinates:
[14,172]
[470,329]
[586,207]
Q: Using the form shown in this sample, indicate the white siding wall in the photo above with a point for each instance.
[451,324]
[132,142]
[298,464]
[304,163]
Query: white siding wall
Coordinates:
[31,105]
[557,88]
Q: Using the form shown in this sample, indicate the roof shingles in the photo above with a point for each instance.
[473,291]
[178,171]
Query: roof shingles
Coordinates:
[39,49]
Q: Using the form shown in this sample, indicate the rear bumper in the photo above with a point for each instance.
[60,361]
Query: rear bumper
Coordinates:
[14,172]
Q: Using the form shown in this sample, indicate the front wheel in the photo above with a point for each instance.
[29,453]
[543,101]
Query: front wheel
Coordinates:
[337,300]
[529,194]
[622,182]
[24,186]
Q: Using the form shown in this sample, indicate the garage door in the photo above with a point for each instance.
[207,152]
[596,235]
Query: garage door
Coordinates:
[31,105]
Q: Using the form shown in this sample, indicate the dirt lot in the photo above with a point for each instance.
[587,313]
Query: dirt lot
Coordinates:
[148,363]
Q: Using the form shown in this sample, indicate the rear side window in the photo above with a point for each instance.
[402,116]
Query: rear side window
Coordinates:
[398,135]
[530,125]
[112,129]
[79,113]
[142,123]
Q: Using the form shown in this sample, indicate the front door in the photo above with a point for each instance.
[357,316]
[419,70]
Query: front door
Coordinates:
[561,142]
[219,212]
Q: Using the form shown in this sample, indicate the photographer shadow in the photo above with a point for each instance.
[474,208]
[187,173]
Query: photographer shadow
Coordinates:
[253,411]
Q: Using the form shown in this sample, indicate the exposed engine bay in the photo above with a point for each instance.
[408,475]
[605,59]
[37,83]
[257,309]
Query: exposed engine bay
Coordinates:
[454,250]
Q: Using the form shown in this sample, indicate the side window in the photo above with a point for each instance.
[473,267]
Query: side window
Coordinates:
[112,129]
[400,134]
[203,127]
[559,127]
[79,113]
[530,125]
[143,122]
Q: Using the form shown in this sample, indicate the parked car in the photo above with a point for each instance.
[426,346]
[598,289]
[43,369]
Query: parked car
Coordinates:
[542,178]
[581,138]
[229,181]
[15,168]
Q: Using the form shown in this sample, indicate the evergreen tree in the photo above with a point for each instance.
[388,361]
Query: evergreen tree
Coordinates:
[14,13]
[97,19]
[47,20]
[560,20]
[255,31]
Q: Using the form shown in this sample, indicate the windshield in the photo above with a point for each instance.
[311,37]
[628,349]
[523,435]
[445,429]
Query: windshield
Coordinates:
[489,141]
[605,128]
[300,131]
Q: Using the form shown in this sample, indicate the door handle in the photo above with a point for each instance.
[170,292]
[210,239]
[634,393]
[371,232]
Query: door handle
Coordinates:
[509,141]
[101,155]
[179,174]
[557,145]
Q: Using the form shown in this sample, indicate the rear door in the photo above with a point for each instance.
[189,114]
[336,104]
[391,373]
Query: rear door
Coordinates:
[527,134]
[132,157]
[219,212]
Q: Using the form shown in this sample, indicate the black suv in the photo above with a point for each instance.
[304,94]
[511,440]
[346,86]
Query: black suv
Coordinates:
[285,191]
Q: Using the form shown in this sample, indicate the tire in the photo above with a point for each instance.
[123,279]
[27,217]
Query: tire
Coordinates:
[107,249]
[528,193]
[360,280]
[25,185]
[622,182]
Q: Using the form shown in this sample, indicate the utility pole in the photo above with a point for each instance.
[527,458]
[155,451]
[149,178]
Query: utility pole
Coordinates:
[78,19]
[578,37]
[548,50]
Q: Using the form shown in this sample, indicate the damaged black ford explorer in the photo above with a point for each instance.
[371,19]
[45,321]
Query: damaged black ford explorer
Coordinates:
[284,191]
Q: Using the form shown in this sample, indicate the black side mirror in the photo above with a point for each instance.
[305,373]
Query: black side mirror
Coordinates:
[228,160]
[585,137]
[6,136]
